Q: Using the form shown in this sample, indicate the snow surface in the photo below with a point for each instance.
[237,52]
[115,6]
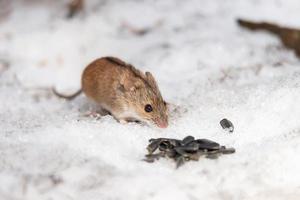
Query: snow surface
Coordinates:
[203,62]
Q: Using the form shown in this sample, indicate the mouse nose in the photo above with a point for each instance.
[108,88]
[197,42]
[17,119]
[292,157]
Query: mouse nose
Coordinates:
[161,123]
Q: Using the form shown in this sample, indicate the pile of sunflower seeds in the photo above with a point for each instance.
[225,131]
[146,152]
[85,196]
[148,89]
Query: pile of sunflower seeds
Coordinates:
[184,150]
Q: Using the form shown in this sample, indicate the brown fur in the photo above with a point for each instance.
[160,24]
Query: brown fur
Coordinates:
[118,86]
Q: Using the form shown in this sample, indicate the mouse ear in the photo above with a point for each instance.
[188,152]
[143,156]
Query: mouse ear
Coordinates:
[151,80]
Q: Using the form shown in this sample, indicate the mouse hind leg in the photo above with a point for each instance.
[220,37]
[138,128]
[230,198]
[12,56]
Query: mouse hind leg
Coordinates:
[97,111]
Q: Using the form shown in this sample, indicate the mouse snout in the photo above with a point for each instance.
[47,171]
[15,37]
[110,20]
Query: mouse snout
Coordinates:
[161,123]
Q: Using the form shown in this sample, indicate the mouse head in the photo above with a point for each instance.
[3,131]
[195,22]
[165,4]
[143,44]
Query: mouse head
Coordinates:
[147,102]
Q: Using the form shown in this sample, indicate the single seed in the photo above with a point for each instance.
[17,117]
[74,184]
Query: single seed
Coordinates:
[227,125]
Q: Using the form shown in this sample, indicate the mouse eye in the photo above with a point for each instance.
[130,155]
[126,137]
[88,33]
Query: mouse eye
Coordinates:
[148,108]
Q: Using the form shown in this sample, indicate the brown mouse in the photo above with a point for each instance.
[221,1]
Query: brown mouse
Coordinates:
[124,91]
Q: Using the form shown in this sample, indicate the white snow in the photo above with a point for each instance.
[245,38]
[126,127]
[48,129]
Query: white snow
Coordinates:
[203,62]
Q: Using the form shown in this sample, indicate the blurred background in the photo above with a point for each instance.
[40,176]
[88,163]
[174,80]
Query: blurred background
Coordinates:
[49,42]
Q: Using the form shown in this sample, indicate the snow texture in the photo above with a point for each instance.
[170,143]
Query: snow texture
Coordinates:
[203,62]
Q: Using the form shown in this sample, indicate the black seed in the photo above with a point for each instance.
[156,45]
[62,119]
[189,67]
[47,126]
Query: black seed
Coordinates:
[153,146]
[180,151]
[212,156]
[228,151]
[179,161]
[171,153]
[226,124]
[196,156]
[187,140]
[164,145]
[207,144]
[191,147]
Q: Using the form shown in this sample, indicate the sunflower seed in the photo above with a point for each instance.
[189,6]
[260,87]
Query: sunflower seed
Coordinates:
[227,125]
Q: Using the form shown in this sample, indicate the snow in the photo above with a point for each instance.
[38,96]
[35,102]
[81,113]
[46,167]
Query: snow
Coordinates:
[203,62]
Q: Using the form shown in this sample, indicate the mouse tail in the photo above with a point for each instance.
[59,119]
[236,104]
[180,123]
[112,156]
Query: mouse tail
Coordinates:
[68,97]
[260,26]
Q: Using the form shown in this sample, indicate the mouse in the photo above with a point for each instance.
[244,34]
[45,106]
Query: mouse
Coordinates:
[123,91]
